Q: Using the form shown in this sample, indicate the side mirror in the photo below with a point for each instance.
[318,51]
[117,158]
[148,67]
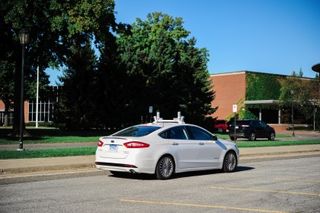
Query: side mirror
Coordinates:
[214,138]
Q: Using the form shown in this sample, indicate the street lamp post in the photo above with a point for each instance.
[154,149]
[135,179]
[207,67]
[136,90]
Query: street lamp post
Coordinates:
[292,93]
[37,98]
[23,36]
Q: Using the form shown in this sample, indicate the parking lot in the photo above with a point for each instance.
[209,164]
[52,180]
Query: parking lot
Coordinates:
[287,185]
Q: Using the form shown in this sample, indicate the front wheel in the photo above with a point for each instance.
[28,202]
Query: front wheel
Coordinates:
[165,168]
[230,162]
[233,138]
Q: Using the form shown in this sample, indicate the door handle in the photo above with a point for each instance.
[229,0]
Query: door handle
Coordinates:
[175,144]
[201,143]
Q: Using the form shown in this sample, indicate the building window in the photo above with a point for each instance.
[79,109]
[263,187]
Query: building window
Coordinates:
[45,111]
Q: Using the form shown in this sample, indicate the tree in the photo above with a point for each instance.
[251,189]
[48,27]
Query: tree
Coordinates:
[314,89]
[54,26]
[76,105]
[10,60]
[165,69]
[94,23]
[296,91]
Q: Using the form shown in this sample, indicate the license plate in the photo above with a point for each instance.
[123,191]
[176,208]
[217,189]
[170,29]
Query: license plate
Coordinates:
[113,148]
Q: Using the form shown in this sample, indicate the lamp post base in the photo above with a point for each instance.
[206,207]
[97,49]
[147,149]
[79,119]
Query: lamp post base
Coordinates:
[20,148]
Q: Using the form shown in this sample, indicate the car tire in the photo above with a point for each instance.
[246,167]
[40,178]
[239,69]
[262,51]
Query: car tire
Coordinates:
[230,162]
[252,136]
[165,168]
[233,138]
[272,136]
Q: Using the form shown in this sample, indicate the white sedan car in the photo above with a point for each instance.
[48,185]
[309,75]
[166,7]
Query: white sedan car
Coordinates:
[164,148]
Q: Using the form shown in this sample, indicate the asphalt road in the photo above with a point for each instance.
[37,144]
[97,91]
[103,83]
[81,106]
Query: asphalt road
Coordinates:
[287,185]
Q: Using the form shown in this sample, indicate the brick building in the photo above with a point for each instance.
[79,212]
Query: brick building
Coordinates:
[255,92]
[45,108]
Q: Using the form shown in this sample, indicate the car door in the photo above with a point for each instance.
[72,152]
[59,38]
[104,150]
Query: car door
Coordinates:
[208,150]
[260,127]
[185,151]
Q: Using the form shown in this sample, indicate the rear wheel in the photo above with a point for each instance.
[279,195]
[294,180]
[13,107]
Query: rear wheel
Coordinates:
[252,136]
[272,136]
[230,162]
[165,168]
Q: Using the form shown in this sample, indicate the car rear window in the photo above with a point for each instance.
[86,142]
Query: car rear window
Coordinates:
[137,131]
[243,122]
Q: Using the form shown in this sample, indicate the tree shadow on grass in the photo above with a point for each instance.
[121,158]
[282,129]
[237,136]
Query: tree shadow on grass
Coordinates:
[40,134]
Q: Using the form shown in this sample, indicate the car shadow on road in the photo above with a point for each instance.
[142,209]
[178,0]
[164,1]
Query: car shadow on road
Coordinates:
[179,175]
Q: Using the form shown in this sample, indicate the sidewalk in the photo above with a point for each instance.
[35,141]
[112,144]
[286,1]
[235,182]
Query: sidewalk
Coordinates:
[16,167]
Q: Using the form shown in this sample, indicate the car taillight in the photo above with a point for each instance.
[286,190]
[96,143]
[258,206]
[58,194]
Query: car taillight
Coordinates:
[100,143]
[136,144]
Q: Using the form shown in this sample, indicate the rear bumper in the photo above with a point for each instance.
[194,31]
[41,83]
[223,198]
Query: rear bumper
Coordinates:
[116,167]
[136,165]
[238,134]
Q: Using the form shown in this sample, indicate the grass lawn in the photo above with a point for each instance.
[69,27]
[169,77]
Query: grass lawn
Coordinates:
[51,139]
[52,136]
[265,143]
[57,136]
[76,151]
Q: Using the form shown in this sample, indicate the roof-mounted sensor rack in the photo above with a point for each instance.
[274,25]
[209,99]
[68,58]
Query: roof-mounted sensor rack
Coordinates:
[178,120]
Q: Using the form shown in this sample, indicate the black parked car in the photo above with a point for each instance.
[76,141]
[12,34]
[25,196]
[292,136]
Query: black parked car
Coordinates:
[251,129]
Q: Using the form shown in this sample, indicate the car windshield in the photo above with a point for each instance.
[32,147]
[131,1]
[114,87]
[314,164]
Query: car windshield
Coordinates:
[137,131]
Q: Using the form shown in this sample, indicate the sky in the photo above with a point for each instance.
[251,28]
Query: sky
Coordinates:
[271,36]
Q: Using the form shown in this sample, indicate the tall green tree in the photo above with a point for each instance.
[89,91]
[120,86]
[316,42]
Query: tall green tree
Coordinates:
[54,27]
[165,69]
[76,109]
[296,91]
[11,22]
[314,89]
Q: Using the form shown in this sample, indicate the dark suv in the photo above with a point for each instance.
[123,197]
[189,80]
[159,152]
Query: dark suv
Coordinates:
[251,129]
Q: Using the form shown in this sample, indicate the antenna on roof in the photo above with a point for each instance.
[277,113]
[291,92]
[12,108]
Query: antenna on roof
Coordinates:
[179,119]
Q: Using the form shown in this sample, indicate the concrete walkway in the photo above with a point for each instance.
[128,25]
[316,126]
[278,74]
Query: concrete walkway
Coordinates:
[36,146]
[16,167]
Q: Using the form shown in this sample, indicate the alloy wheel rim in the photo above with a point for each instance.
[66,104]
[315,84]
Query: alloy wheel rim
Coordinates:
[166,167]
[231,162]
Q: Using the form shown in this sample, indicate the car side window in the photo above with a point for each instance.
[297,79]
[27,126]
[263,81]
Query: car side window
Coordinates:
[196,133]
[255,124]
[262,124]
[174,133]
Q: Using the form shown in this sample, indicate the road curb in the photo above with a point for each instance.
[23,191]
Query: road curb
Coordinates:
[46,168]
